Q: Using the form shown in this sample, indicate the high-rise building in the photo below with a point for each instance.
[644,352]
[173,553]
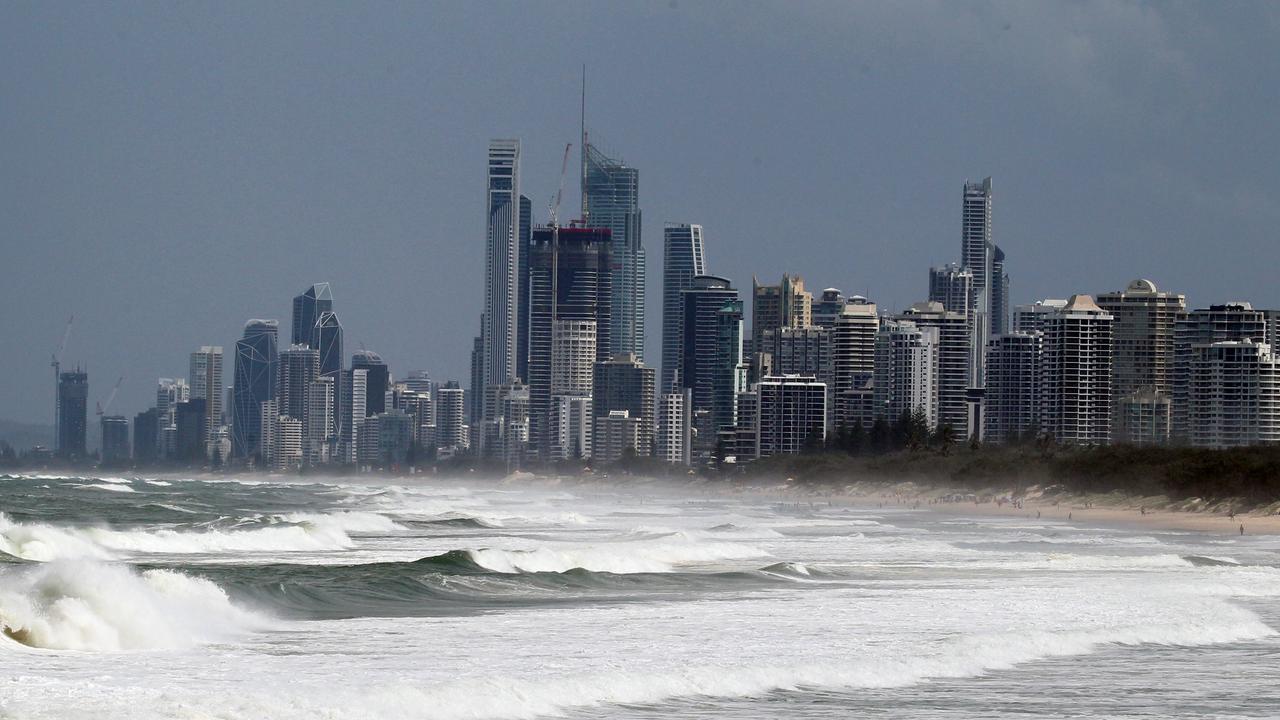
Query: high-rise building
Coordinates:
[352,413]
[1076,374]
[624,383]
[115,439]
[683,260]
[206,384]
[675,425]
[169,393]
[1233,395]
[145,432]
[711,355]
[319,437]
[378,378]
[1030,318]
[254,383]
[73,400]
[1200,328]
[450,417]
[1012,400]
[191,431]
[307,309]
[475,396]
[978,253]
[906,371]
[327,339]
[299,365]
[954,355]
[570,281]
[617,435]
[287,442]
[792,414]
[570,427]
[827,307]
[1142,356]
[952,286]
[502,264]
[506,434]
[853,347]
[786,304]
[610,199]
[522,301]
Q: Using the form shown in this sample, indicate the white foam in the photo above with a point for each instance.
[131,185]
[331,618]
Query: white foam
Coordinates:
[88,605]
[107,486]
[622,557]
[296,532]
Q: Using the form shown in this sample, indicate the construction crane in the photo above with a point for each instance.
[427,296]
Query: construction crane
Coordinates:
[103,407]
[555,205]
[56,364]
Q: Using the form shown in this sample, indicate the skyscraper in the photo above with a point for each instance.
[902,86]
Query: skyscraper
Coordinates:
[254,384]
[1076,374]
[624,383]
[502,263]
[450,417]
[952,286]
[299,365]
[307,309]
[1142,351]
[683,260]
[206,383]
[610,192]
[906,371]
[378,378]
[953,361]
[522,302]
[327,338]
[711,354]
[1195,331]
[786,304]
[853,348]
[792,414]
[675,424]
[989,298]
[73,399]
[1233,394]
[570,281]
[1012,401]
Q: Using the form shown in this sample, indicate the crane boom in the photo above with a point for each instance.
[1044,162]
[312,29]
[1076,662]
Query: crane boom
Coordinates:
[103,407]
[564,167]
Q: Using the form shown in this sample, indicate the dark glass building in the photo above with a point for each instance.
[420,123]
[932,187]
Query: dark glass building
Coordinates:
[610,199]
[378,378]
[146,430]
[711,352]
[191,420]
[73,399]
[581,288]
[254,384]
[115,440]
[307,309]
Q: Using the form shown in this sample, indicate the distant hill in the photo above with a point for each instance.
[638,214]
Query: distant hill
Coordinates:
[24,436]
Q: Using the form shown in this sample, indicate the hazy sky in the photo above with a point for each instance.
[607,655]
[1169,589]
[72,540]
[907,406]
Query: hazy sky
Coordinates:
[168,170]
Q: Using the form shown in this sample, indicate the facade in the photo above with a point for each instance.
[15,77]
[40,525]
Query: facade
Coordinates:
[711,355]
[191,431]
[792,414]
[1146,417]
[319,427]
[579,290]
[1012,400]
[145,430]
[506,435]
[377,380]
[450,417]
[253,384]
[954,355]
[1076,375]
[625,383]
[206,384]
[1031,317]
[395,438]
[73,402]
[299,366]
[683,260]
[827,307]
[500,331]
[906,372]
[853,348]
[570,427]
[952,286]
[617,435]
[115,439]
[351,413]
[1233,395]
[610,199]
[327,339]
[786,304]
[307,309]
[287,443]
[1142,355]
[1217,323]
[674,441]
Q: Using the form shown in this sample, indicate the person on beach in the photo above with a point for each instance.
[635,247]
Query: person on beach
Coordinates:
[1241,528]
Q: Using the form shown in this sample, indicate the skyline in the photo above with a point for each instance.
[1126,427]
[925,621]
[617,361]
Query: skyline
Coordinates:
[395,283]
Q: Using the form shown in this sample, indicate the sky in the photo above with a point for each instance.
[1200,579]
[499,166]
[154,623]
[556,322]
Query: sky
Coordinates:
[170,170]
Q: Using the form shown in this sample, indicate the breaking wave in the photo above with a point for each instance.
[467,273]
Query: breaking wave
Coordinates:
[89,605]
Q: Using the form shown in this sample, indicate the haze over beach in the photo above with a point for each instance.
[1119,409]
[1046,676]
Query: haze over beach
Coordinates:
[662,359]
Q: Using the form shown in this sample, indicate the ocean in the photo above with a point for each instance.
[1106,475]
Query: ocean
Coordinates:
[274,597]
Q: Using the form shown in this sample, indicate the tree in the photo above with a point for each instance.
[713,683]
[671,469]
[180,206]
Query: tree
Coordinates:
[944,437]
[881,437]
[855,443]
